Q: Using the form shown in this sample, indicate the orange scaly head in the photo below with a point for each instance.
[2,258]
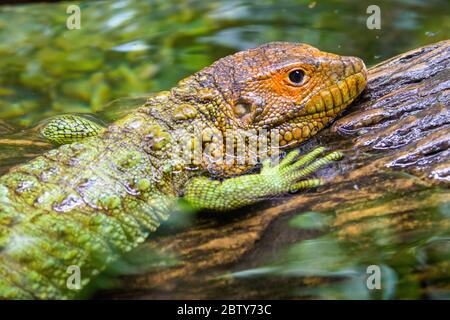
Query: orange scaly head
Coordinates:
[292,87]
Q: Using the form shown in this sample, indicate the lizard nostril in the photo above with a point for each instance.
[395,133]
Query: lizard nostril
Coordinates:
[358,64]
[351,66]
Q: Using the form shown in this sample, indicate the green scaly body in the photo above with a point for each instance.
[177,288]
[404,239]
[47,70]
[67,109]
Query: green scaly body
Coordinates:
[87,203]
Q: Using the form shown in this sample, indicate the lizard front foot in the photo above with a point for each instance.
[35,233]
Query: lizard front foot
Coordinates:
[289,174]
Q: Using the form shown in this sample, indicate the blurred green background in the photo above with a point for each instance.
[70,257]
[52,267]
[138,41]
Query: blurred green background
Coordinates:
[129,47]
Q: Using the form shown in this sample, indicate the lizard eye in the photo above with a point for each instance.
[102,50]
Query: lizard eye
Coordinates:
[296,76]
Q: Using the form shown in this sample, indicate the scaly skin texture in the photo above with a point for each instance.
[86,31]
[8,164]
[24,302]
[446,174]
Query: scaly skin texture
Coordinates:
[88,202]
[69,128]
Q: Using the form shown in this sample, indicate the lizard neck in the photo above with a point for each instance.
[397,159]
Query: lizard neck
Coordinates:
[188,129]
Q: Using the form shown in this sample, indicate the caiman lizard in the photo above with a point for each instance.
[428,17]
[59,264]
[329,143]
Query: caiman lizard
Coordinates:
[92,199]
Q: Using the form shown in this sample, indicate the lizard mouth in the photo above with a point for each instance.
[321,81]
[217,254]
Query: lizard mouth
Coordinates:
[335,97]
[323,107]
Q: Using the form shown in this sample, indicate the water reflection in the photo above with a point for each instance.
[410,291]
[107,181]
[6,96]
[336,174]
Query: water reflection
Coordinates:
[408,240]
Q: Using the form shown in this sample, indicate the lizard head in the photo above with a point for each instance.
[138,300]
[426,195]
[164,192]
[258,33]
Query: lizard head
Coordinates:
[292,87]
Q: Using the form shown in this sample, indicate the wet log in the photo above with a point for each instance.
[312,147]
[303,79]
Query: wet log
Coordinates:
[396,139]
